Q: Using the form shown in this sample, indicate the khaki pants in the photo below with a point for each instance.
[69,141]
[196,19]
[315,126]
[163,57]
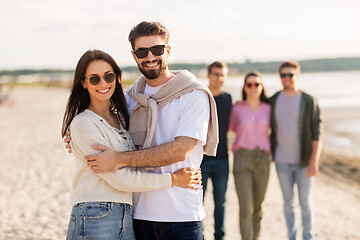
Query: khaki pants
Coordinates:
[251,174]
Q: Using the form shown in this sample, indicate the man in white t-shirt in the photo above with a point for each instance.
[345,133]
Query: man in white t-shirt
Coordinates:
[181,132]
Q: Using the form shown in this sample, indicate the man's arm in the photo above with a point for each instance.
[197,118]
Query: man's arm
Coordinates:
[313,167]
[161,155]
[316,145]
[191,127]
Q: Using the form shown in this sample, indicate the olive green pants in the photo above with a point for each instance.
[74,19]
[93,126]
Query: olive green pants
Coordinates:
[251,174]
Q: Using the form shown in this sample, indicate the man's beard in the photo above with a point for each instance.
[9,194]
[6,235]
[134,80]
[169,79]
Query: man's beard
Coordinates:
[288,87]
[153,73]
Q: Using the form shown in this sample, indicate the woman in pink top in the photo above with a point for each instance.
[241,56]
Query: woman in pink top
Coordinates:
[250,120]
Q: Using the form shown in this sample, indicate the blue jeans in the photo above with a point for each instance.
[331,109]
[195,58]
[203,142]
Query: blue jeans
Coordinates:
[101,220]
[149,230]
[218,171]
[288,175]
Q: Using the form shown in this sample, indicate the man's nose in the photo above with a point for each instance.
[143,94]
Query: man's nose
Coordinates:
[150,56]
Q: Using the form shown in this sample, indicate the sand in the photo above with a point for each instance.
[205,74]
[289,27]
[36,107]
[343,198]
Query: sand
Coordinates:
[36,173]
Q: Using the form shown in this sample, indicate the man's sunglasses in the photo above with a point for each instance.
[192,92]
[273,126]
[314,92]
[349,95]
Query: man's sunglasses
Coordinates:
[108,77]
[156,50]
[290,75]
[217,74]
[249,85]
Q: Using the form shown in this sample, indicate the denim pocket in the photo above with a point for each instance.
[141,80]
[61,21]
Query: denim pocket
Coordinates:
[96,211]
[126,224]
[104,221]
[71,228]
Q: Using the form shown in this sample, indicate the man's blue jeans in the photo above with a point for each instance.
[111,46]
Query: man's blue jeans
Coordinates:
[288,175]
[218,171]
[149,230]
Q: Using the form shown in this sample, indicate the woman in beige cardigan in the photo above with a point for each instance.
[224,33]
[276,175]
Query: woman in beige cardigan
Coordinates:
[96,112]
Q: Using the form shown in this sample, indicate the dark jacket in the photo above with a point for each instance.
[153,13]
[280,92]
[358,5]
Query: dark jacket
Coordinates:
[310,126]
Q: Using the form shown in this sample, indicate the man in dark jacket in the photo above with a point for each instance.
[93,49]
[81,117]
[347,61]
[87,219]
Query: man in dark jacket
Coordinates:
[296,146]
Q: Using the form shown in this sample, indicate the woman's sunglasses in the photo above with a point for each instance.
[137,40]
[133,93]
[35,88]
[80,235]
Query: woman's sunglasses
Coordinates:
[108,77]
[156,50]
[249,85]
[290,75]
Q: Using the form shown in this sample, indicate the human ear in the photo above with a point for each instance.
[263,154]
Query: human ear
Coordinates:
[133,54]
[168,49]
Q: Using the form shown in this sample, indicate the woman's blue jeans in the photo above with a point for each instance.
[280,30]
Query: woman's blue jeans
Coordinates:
[101,220]
[288,175]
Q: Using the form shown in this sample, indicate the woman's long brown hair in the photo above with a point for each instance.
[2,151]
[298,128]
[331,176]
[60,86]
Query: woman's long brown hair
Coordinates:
[79,98]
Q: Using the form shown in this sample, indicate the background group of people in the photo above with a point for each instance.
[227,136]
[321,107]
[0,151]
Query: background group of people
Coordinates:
[286,126]
[151,140]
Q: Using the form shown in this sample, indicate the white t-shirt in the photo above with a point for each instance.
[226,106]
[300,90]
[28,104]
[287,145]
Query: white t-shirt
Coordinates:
[187,116]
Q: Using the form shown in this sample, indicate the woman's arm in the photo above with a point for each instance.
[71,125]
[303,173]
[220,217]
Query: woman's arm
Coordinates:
[85,132]
[232,120]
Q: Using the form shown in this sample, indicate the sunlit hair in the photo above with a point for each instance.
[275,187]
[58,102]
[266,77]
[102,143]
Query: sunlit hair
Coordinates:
[148,29]
[291,64]
[79,98]
[216,64]
[263,95]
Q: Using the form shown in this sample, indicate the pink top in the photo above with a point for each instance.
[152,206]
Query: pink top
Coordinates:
[251,128]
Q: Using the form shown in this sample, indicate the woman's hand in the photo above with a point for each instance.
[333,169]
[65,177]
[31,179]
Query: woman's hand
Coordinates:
[187,178]
[67,140]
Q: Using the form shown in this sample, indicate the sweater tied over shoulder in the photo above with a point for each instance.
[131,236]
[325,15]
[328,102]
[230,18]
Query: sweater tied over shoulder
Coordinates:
[144,116]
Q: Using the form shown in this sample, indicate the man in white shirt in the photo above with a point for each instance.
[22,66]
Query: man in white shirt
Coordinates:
[181,132]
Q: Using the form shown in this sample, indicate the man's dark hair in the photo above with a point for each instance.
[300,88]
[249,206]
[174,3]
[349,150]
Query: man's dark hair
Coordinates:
[291,64]
[148,29]
[216,64]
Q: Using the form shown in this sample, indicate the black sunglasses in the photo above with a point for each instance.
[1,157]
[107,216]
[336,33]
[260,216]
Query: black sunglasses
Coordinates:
[156,50]
[290,75]
[217,74]
[108,77]
[249,85]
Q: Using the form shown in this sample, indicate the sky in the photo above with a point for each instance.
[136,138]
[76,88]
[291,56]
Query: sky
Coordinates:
[55,33]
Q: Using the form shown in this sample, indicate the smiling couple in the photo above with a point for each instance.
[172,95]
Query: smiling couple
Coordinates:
[168,116]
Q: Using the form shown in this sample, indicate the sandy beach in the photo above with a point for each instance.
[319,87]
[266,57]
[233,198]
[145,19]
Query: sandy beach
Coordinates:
[36,174]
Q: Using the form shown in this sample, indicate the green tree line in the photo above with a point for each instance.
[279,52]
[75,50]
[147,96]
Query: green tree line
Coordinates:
[315,65]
